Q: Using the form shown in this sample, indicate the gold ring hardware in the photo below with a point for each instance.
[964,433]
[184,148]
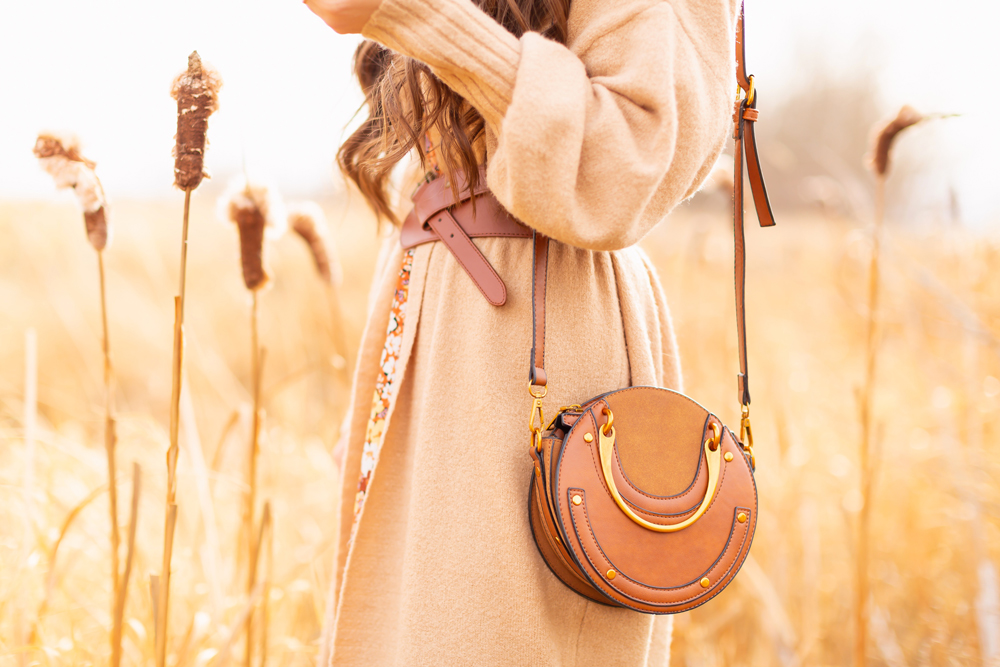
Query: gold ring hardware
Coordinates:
[713,456]
[750,92]
[540,394]
[713,442]
[611,421]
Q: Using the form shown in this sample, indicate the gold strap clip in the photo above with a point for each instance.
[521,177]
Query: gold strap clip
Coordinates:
[749,92]
[746,436]
[535,425]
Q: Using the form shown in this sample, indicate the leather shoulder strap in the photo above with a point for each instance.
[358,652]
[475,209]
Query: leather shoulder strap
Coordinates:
[539,278]
[745,114]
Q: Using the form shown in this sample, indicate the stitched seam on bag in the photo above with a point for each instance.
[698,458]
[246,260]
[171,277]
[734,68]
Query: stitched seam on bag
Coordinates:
[651,515]
[591,559]
[606,600]
[554,547]
[690,488]
[604,397]
[628,481]
[600,474]
[718,486]
[641,585]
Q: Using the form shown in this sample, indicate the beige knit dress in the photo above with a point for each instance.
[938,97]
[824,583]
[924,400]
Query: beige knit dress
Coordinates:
[592,144]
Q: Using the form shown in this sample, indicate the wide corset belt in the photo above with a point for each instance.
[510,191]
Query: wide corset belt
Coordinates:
[438,216]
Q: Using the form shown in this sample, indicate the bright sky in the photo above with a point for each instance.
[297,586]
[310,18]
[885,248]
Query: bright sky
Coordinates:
[103,68]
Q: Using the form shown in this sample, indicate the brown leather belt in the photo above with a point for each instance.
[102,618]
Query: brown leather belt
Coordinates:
[438,216]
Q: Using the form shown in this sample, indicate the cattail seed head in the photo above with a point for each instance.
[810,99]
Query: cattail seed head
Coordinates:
[307,220]
[96,223]
[51,144]
[886,134]
[60,156]
[257,211]
[197,93]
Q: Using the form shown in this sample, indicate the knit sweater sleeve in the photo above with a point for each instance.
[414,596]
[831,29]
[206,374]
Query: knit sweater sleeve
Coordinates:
[594,142]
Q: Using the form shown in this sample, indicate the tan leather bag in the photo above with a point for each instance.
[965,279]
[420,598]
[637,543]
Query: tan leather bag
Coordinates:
[641,497]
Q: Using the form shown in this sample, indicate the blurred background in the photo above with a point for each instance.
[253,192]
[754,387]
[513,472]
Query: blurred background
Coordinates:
[924,498]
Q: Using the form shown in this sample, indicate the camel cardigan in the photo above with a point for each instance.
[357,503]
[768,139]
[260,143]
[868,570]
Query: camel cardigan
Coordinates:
[592,143]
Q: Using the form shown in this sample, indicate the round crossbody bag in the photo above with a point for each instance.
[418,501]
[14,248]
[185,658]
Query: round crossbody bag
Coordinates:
[641,497]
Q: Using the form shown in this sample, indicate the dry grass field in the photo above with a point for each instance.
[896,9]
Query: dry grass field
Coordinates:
[934,538]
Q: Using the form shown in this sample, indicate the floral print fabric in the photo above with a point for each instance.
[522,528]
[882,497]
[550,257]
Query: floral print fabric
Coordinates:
[386,384]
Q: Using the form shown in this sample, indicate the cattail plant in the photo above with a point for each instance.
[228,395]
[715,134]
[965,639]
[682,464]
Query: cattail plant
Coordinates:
[878,160]
[257,212]
[197,93]
[306,219]
[60,156]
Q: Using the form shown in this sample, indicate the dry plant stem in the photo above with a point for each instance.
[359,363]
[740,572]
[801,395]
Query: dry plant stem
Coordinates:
[181,655]
[154,596]
[50,579]
[861,589]
[267,583]
[163,605]
[222,657]
[119,615]
[234,417]
[110,440]
[253,548]
[256,541]
[172,453]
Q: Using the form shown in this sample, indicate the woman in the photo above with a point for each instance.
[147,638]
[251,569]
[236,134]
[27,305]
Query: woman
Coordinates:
[594,118]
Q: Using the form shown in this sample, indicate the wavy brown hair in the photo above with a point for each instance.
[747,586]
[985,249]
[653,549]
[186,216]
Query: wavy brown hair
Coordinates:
[405,100]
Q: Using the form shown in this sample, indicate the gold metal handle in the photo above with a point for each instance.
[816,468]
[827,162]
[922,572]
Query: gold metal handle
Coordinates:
[713,452]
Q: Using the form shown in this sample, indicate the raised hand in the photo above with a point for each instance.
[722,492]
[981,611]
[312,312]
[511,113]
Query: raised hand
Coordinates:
[344,16]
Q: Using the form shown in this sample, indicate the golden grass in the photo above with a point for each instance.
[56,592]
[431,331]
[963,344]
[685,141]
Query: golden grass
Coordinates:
[936,418]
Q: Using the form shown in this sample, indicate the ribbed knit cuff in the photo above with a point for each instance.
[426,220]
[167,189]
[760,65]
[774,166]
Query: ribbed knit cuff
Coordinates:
[473,54]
